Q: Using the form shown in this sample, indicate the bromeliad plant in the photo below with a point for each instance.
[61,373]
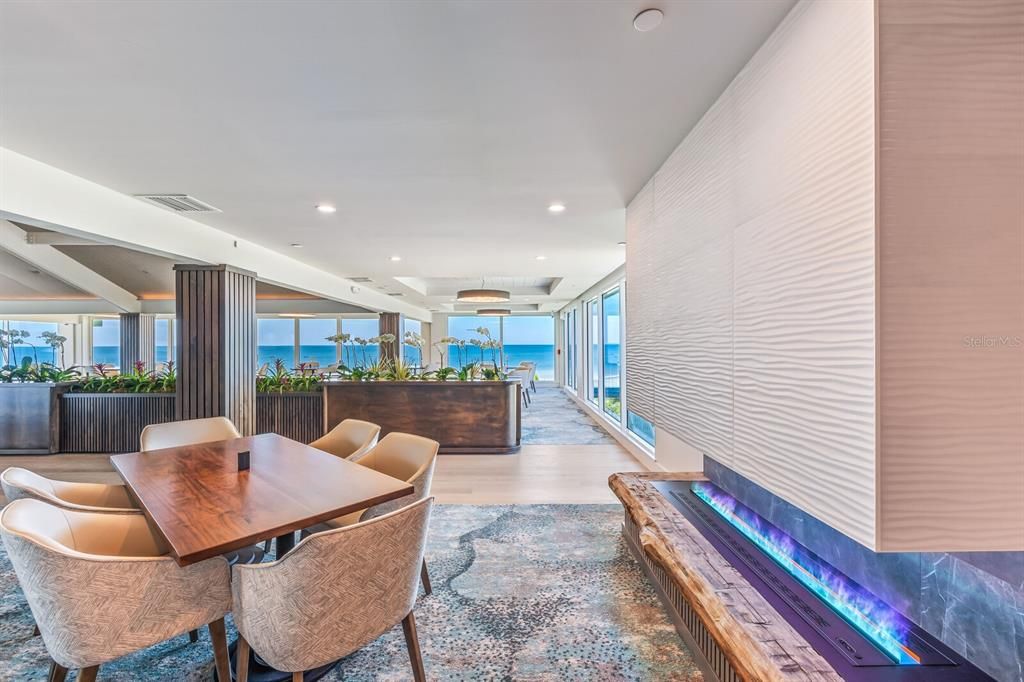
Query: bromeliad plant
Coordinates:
[279,380]
[138,380]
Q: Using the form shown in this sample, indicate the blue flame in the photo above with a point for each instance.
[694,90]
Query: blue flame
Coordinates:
[873,617]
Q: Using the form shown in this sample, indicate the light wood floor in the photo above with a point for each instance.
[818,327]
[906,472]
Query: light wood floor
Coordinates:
[539,474]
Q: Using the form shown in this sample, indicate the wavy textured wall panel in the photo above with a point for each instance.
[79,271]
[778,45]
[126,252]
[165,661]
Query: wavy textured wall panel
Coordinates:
[951,274]
[804,293]
[763,254]
[641,319]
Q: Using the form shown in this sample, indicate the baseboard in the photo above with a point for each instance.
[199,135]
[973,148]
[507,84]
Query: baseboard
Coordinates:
[642,457]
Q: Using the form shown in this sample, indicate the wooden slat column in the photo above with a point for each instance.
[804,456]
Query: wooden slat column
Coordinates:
[138,340]
[391,323]
[216,349]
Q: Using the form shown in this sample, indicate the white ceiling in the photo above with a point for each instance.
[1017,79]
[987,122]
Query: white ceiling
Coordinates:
[440,130]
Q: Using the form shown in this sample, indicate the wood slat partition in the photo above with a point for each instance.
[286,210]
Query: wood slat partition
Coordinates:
[137,340]
[110,422]
[391,323]
[299,416]
[216,344]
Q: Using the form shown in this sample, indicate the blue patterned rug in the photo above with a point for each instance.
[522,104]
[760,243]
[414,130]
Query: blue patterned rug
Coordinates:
[535,592]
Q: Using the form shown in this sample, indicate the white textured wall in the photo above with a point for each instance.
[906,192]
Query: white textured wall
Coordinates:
[751,260]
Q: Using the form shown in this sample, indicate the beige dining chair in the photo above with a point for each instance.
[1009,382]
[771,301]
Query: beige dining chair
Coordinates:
[188,432]
[403,456]
[101,586]
[350,439]
[18,483]
[356,584]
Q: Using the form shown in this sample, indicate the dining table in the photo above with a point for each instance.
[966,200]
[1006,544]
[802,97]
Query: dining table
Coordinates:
[209,499]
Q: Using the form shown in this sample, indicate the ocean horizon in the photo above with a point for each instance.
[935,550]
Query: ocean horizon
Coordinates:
[325,354]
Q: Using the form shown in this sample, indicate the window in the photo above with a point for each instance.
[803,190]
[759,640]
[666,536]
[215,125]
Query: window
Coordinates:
[569,344]
[354,353]
[594,351]
[530,338]
[32,346]
[463,327]
[106,341]
[164,340]
[276,341]
[413,356]
[610,330]
[640,426]
[313,343]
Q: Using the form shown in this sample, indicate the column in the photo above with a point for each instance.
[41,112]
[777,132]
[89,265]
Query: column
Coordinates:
[138,341]
[216,353]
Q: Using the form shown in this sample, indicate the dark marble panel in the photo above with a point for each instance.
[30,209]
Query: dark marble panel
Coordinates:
[972,601]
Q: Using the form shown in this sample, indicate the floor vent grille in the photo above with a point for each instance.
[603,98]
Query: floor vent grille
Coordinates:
[709,655]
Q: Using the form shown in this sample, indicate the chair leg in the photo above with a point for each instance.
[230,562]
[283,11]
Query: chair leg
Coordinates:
[88,674]
[413,644]
[35,630]
[425,577]
[242,660]
[193,636]
[57,672]
[266,546]
[220,649]
[297,676]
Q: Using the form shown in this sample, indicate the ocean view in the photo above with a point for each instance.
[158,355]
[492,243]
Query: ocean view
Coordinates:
[325,354]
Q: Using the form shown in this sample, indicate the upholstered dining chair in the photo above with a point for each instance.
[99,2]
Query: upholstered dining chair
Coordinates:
[350,439]
[101,586]
[188,432]
[18,483]
[403,456]
[356,584]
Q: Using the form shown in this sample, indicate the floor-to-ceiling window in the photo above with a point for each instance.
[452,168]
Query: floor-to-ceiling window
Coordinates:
[530,338]
[106,341]
[164,339]
[29,342]
[413,356]
[594,351]
[358,351]
[313,343]
[276,339]
[470,349]
[611,327]
[569,343]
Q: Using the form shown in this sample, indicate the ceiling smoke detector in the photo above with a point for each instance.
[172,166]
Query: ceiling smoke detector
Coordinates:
[179,203]
[648,20]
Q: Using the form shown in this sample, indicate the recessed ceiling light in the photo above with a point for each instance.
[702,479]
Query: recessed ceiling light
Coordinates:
[542,257]
[648,20]
[556,207]
[295,245]
[325,208]
[396,258]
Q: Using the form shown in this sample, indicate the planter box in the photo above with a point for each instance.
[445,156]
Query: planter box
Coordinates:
[299,416]
[30,418]
[110,422]
[463,416]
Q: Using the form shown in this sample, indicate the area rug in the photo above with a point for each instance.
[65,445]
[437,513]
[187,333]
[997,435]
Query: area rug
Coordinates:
[554,419]
[535,593]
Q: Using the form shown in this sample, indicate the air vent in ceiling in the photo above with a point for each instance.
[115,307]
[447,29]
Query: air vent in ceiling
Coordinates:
[179,203]
[361,279]
[396,294]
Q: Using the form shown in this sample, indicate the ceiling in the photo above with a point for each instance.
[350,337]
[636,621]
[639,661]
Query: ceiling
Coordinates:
[22,281]
[440,130]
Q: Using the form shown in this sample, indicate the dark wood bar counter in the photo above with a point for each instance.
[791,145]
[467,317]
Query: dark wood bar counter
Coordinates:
[465,417]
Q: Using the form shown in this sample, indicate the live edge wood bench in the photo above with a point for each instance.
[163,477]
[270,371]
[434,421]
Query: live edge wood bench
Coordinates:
[722,617]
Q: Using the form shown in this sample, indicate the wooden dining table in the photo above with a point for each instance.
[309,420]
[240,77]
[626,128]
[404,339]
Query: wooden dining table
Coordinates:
[203,506]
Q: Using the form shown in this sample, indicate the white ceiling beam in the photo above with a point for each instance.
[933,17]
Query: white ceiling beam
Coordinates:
[37,194]
[65,268]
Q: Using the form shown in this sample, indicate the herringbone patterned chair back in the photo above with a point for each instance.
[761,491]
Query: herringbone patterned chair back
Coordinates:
[335,592]
[188,432]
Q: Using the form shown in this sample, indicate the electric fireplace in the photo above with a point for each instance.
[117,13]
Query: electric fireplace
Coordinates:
[858,634]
